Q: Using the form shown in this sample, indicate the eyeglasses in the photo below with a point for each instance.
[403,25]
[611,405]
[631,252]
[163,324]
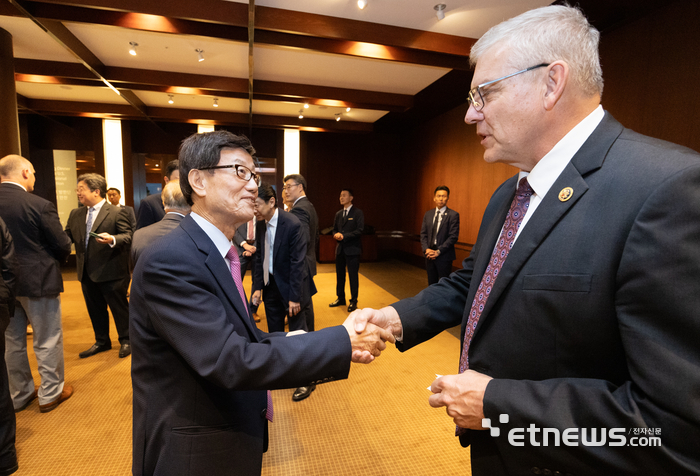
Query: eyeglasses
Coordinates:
[243,172]
[476,98]
[287,187]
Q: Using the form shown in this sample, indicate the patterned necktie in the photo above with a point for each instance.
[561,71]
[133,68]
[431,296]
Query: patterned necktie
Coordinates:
[436,223]
[518,209]
[266,258]
[232,256]
[88,226]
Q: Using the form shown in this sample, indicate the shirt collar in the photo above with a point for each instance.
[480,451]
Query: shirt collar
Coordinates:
[15,183]
[348,207]
[295,201]
[273,220]
[217,236]
[98,206]
[545,173]
[442,210]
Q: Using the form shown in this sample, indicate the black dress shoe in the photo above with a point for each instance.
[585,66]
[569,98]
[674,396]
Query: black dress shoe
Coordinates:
[352,306]
[337,303]
[125,350]
[303,392]
[95,349]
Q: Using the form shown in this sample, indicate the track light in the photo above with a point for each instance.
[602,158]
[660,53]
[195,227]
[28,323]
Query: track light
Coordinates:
[216,102]
[132,48]
[170,100]
[337,117]
[306,106]
[348,109]
[301,114]
[440,10]
[200,55]
[362,4]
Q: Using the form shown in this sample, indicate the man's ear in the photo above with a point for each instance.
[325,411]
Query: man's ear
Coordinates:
[272,202]
[198,182]
[557,80]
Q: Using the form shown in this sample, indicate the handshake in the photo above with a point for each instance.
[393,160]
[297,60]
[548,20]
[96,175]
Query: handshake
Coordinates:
[370,330]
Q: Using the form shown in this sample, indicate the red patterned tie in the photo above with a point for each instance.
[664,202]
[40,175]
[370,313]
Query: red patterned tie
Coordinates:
[518,209]
[232,256]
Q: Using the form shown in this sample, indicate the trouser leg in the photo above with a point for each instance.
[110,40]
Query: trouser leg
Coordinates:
[275,308]
[8,425]
[353,263]
[340,276]
[21,382]
[115,295]
[432,271]
[97,310]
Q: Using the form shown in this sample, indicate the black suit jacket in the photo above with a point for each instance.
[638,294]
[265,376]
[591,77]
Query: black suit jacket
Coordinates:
[351,227]
[151,211]
[41,244]
[200,366]
[9,270]
[304,210]
[593,320]
[104,263]
[447,234]
[289,259]
[146,236]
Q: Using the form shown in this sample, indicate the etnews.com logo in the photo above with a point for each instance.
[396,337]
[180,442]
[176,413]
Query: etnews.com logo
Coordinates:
[575,436]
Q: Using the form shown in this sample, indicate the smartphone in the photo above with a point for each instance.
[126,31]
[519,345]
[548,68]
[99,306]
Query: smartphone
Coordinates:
[92,233]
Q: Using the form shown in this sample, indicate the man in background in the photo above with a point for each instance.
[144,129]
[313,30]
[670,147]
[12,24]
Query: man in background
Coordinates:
[102,236]
[114,196]
[151,208]
[41,247]
[294,193]
[175,207]
[579,301]
[348,225]
[438,235]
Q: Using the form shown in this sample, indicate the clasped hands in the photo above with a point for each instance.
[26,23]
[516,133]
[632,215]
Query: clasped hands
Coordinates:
[368,339]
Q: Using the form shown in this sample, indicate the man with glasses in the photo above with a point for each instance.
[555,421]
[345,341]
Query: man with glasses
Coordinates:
[201,369]
[294,192]
[579,302]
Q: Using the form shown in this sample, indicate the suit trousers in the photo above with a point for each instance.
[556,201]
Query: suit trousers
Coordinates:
[437,268]
[44,314]
[353,264]
[276,309]
[100,295]
[8,423]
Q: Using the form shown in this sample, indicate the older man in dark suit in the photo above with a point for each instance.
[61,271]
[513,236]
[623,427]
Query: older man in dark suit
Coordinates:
[579,302]
[348,225]
[151,208]
[201,368]
[41,246]
[175,207]
[102,236]
[438,235]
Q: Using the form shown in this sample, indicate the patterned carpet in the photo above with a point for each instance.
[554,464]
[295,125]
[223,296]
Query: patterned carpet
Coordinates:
[378,422]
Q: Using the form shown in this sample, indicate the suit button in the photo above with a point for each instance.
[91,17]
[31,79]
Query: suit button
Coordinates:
[547,472]
[263,413]
[536,470]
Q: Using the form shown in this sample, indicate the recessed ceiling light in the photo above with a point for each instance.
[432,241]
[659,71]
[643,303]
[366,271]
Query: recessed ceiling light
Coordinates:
[306,106]
[348,109]
[362,4]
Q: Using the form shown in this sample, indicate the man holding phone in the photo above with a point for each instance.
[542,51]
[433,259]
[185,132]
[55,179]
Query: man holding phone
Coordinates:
[102,236]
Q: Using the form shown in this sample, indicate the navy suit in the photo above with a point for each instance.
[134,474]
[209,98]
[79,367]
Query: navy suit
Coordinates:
[348,251]
[200,366]
[447,236]
[151,211]
[291,280]
[593,320]
[146,236]
[304,210]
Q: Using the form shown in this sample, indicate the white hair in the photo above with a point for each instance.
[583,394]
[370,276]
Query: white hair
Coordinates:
[545,35]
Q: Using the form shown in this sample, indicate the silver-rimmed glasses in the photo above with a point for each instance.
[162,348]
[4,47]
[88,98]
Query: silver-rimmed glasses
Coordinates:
[243,172]
[476,99]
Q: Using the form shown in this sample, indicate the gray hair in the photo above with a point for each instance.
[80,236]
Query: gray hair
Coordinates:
[545,35]
[173,199]
[94,182]
[11,165]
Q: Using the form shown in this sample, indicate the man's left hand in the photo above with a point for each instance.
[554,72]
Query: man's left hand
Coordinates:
[463,395]
[338,236]
[294,308]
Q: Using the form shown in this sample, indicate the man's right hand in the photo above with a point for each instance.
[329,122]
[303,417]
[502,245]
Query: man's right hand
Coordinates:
[255,298]
[369,343]
[386,318]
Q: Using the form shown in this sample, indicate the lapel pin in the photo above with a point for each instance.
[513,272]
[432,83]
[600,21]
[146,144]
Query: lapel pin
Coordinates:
[565,194]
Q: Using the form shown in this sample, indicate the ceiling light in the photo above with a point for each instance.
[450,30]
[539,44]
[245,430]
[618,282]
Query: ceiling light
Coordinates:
[337,117]
[200,55]
[306,106]
[170,100]
[347,109]
[216,102]
[301,114]
[132,48]
[362,4]
[440,10]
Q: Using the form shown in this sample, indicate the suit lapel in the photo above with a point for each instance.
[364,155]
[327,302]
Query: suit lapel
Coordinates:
[104,212]
[279,237]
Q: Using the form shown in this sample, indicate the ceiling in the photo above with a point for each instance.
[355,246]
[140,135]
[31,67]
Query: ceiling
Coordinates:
[356,70]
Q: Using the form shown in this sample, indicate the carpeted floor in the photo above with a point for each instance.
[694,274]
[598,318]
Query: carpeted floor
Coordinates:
[378,422]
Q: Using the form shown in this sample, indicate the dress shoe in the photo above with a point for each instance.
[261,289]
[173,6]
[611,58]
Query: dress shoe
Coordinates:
[337,303]
[352,306]
[65,395]
[31,399]
[303,392]
[125,350]
[95,349]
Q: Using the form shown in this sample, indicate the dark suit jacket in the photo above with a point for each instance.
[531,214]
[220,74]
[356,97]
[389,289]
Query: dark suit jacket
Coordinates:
[593,320]
[41,244]
[289,259]
[306,213]
[132,216]
[447,234]
[146,236]
[104,263]
[200,367]
[351,227]
[9,270]
[150,211]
